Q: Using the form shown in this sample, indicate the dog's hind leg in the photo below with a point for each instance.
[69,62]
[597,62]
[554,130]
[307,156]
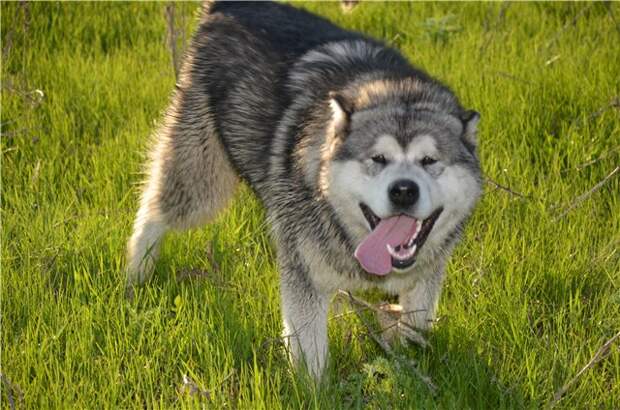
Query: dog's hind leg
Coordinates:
[190,178]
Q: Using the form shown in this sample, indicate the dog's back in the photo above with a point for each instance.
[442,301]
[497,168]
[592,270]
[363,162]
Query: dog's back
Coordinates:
[229,99]
[243,56]
[286,31]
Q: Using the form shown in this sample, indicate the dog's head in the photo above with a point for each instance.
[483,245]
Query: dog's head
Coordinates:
[399,167]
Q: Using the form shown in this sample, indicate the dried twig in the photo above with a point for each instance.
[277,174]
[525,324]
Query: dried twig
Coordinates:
[8,44]
[498,22]
[211,257]
[15,133]
[611,152]
[613,103]
[577,201]
[389,318]
[12,389]
[348,5]
[172,38]
[553,59]
[383,344]
[195,273]
[348,313]
[567,25]
[512,77]
[600,354]
[33,97]
[25,6]
[613,17]
[505,188]
[190,388]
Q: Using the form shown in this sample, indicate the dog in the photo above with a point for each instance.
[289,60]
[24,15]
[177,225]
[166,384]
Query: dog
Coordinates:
[367,166]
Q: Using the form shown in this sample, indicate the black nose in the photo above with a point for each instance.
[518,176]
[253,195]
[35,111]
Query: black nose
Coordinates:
[404,192]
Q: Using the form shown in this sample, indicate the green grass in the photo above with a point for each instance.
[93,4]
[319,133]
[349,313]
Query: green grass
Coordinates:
[531,294]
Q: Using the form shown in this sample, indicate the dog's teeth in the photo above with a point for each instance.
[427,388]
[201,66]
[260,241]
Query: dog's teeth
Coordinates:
[415,235]
[417,230]
[401,252]
[391,251]
[409,253]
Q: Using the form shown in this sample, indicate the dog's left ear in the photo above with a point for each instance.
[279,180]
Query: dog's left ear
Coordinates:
[342,109]
[470,121]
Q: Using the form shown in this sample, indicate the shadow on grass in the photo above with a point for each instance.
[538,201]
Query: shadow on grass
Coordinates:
[208,330]
[369,378]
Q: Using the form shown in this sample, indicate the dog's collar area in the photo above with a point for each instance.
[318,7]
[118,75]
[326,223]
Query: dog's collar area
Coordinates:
[404,255]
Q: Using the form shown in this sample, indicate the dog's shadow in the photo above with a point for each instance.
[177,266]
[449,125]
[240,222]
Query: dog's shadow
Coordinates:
[453,372]
[360,374]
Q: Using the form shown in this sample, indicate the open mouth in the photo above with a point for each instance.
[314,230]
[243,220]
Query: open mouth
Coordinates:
[394,242]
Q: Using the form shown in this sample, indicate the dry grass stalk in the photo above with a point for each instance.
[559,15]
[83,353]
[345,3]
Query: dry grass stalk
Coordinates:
[581,198]
[600,354]
[567,25]
[172,38]
[11,390]
[613,151]
[614,103]
[348,5]
[505,188]
[491,30]
[190,388]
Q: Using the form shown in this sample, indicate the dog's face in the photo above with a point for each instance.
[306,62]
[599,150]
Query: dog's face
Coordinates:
[401,181]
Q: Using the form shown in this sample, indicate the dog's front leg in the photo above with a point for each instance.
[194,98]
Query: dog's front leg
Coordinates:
[304,310]
[420,302]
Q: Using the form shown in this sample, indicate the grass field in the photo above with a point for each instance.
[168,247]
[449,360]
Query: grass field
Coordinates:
[533,291]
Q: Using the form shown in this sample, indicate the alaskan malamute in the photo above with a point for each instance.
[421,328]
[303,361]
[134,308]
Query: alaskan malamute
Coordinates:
[367,166]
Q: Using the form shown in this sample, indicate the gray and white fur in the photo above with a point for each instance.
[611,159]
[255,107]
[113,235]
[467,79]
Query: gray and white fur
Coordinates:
[316,120]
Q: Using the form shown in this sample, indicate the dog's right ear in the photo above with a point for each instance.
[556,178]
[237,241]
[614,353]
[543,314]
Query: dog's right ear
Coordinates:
[470,120]
[342,110]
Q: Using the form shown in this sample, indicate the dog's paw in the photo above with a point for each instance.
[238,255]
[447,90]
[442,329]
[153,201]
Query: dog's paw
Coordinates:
[395,330]
[408,334]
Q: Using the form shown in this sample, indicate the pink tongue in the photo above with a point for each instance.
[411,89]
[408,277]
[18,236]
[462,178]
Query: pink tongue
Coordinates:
[372,253]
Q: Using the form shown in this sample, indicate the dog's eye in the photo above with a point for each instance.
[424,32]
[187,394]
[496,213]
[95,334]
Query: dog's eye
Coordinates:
[379,159]
[426,161]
